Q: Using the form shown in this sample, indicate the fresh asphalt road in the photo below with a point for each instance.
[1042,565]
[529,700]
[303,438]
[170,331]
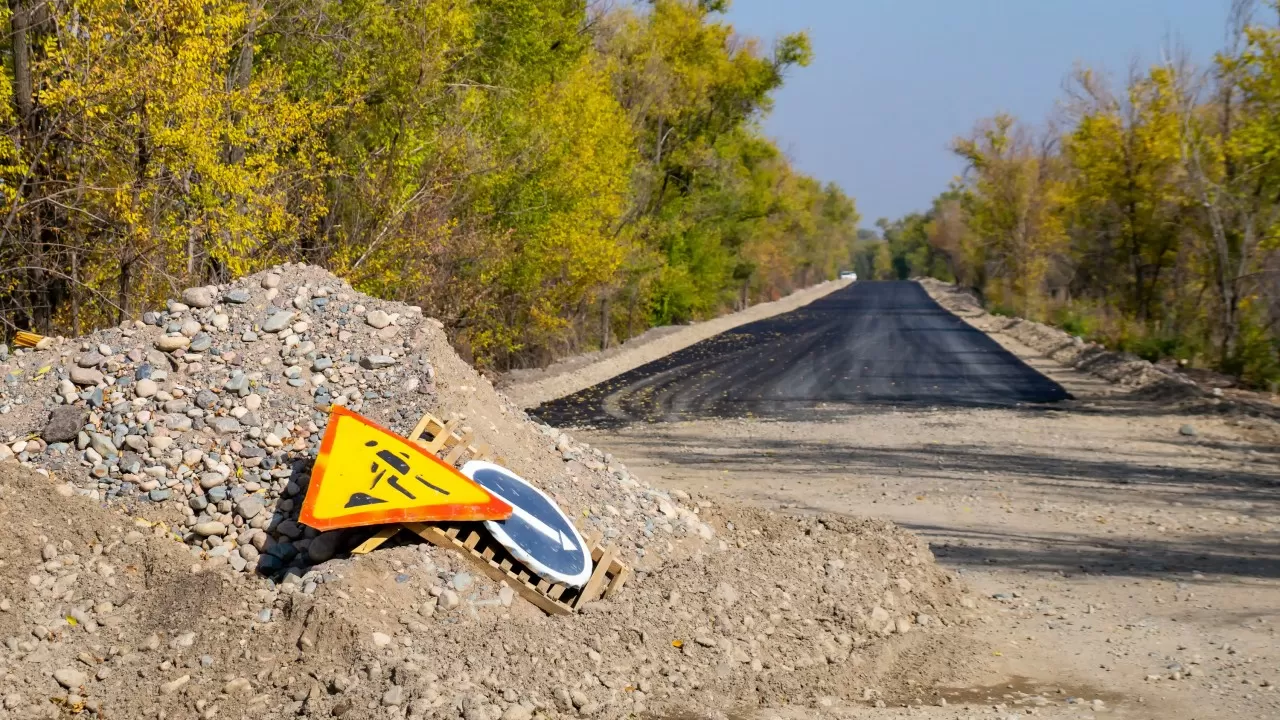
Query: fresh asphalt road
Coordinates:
[868,344]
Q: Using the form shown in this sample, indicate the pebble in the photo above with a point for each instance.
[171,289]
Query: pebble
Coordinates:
[381,639]
[69,678]
[376,362]
[174,685]
[377,319]
[200,297]
[172,343]
[145,388]
[278,322]
[1187,430]
[212,527]
[393,696]
[86,376]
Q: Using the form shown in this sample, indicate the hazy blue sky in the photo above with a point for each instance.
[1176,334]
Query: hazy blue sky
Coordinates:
[893,81]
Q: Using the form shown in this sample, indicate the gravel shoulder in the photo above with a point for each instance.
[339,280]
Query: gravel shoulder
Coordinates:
[530,388]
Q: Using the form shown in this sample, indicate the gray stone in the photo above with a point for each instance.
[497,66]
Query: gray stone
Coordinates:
[236,297]
[205,399]
[249,506]
[324,545]
[237,382]
[289,529]
[277,322]
[201,342]
[177,422]
[1188,430]
[249,336]
[160,494]
[211,480]
[200,297]
[376,362]
[64,424]
[377,319]
[90,359]
[462,581]
[85,376]
[271,280]
[102,445]
[321,364]
[225,425]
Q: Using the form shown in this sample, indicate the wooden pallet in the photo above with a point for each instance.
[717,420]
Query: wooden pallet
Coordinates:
[495,561]
[490,557]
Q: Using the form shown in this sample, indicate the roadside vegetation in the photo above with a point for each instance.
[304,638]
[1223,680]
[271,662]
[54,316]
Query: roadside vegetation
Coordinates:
[540,175]
[1146,216]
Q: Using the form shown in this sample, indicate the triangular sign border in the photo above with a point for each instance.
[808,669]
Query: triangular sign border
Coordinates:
[495,509]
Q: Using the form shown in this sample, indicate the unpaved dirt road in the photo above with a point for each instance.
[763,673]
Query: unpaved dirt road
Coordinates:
[1131,554]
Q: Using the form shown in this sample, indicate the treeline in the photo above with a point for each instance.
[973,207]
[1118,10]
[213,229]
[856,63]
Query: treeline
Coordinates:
[541,176]
[1147,216]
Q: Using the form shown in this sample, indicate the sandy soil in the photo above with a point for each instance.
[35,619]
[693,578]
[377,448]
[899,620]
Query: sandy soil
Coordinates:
[1132,552]
[529,388]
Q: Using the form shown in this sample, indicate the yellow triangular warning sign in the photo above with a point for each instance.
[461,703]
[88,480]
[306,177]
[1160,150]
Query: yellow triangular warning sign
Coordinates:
[366,475]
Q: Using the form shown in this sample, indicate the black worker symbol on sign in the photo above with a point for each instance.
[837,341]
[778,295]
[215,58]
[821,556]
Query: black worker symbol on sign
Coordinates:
[392,467]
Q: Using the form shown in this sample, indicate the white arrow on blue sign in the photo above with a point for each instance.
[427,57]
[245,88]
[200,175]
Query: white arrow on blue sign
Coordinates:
[538,533]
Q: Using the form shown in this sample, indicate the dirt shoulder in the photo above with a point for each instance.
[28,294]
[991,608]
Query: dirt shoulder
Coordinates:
[530,388]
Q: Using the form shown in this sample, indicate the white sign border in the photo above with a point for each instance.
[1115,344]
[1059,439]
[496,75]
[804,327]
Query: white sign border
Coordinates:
[495,528]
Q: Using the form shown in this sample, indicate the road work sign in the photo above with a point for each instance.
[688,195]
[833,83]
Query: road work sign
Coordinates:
[538,534]
[366,475]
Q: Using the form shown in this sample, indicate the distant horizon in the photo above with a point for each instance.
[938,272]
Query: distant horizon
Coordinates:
[863,114]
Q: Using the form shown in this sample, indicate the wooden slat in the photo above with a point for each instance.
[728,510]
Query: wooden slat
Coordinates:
[383,534]
[442,437]
[598,577]
[619,579]
[420,429]
[458,449]
[472,540]
[436,536]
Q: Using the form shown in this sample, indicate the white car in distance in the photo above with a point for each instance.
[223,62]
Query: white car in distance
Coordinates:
[848,275]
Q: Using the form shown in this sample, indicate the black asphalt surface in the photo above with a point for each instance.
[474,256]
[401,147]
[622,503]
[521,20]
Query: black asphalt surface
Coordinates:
[869,344]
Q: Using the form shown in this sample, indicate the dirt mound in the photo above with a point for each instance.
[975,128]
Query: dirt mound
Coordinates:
[177,450]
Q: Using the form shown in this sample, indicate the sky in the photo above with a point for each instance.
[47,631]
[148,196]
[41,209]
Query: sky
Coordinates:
[894,81]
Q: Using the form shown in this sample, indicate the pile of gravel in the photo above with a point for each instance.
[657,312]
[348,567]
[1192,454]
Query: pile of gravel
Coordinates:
[208,415]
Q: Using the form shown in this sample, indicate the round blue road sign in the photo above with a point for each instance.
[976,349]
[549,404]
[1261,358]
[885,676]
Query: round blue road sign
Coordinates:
[538,533]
